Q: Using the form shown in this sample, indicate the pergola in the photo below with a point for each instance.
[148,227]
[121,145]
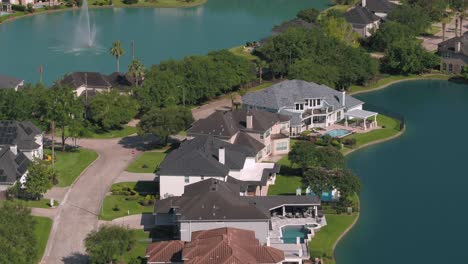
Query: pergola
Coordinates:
[362,115]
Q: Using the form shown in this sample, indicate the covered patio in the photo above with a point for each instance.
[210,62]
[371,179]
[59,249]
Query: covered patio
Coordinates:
[366,119]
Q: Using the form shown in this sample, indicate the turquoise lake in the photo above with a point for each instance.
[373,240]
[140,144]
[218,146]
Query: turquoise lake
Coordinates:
[414,194]
[159,34]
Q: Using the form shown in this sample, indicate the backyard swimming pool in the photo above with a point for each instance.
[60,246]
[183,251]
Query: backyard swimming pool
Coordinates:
[338,133]
[290,232]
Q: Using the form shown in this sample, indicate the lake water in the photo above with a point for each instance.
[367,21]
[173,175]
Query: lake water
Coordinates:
[414,195]
[159,34]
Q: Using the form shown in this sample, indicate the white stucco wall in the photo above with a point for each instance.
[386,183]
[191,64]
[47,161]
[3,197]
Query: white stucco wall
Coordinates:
[170,185]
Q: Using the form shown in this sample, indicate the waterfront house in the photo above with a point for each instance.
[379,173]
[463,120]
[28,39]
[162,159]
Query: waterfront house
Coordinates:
[221,246]
[87,84]
[20,143]
[309,105]
[206,157]
[380,8]
[363,21]
[213,203]
[264,132]
[8,82]
[454,54]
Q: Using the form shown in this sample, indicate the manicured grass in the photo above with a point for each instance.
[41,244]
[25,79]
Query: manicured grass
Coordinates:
[70,164]
[392,127]
[127,205]
[148,162]
[285,185]
[322,244]
[139,249]
[41,232]
[239,51]
[42,203]
[392,79]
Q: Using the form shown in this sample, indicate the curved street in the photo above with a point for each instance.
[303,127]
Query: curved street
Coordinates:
[78,212]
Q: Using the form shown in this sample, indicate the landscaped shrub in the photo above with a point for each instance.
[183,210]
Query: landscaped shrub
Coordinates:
[350,142]
[19,8]
[116,208]
[131,198]
[336,144]
[130,2]
[30,8]
[148,200]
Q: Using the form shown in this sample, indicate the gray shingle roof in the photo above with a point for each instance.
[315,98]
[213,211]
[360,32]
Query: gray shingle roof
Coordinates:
[211,199]
[380,6]
[199,156]
[17,133]
[243,139]
[225,124]
[8,82]
[287,93]
[360,15]
[92,79]
[12,166]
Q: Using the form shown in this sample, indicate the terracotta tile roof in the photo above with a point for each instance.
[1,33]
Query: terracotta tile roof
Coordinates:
[164,251]
[228,246]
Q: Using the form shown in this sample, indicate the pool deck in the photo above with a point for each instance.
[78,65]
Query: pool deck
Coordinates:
[277,223]
[355,129]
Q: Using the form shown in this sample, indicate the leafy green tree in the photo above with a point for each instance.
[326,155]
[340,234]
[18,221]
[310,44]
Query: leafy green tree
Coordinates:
[117,51]
[163,122]
[111,110]
[40,178]
[406,57]
[137,70]
[64,108]
[388,33]
[17,240]
[302,154]
[318,180]
[108,243]
[329,158]
[311,71]
[338,28]
[346,182]
[435,9]
[412,16]
[309,15]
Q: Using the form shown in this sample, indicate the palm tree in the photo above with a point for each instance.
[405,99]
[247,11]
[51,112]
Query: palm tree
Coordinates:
[117,51]
[137,71]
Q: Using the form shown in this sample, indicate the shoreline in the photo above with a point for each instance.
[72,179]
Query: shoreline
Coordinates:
[432,76]
[14,18]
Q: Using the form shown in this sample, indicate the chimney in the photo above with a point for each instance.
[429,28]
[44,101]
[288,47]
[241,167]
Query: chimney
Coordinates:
[222,155]
[458,47]
[364,3]
[249,120]
[343,96]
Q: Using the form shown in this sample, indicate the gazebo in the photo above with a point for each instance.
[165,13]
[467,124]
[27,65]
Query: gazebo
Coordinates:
[362,115]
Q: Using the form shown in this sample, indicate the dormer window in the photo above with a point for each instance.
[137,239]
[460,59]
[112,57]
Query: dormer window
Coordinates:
[299,106]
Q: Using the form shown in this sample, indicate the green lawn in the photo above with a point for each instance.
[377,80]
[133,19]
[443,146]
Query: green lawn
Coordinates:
[148,162]
[392,127]
[127,205]
[322,244]
[139,249]
[391,79]
[41,232]
[70,164]
[239,51]
[42,203]
[285,185]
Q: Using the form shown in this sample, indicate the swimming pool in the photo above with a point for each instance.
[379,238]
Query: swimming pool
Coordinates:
[338,133]
[290,232]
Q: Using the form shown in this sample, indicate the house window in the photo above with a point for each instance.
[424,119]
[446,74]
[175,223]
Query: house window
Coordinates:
[186,179]
[450,69]
[261,135]
[338,116]
[444,66]
[267,133]
[268,149]
[299,106]
[259,155]
[281,146]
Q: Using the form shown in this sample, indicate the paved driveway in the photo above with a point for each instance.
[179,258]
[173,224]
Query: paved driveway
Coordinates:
[77,214]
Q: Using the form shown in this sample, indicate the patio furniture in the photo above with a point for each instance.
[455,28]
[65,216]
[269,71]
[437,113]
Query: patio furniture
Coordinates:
[289,215]
[298,215]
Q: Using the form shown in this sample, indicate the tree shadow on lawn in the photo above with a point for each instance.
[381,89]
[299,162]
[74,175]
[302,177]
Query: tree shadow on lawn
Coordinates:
[288,170]
[146,187]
